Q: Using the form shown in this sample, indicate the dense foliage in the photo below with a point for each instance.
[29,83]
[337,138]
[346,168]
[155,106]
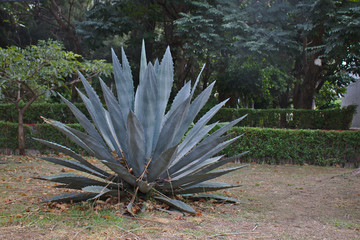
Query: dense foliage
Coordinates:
[265,145]
[329,119]
[295,48]
[31,73]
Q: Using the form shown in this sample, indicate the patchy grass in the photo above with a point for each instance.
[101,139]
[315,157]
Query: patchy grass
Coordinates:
[282,202]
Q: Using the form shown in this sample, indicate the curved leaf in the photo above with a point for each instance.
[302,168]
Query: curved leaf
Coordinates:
[170,128]
[146,108]
[136,144]
[73,164]
[205,187]
[72,154]
[176,204]
[164,84]
[116,117]
[212,196]
[71,197]
[121,171]
[158,166]
[76,181]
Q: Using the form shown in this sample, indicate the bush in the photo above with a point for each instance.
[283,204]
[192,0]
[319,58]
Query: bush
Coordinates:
[336,119]
[273,146]
[9,136]
[56,111]
[280,146]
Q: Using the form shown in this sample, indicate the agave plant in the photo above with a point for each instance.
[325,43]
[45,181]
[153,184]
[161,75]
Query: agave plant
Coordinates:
[149,150]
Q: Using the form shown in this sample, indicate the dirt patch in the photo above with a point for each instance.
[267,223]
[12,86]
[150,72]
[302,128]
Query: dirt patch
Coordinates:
[281,202]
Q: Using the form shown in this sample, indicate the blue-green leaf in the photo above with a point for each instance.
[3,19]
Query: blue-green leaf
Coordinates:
[136,144]
[72,164]
[176,204]
[146,108]
[205,187]
[158,166]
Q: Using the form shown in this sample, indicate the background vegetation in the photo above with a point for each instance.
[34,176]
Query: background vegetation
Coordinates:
[263,54]
[335,119]
[266,145]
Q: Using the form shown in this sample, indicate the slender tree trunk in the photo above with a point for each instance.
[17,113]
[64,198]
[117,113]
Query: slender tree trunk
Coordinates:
[21,131]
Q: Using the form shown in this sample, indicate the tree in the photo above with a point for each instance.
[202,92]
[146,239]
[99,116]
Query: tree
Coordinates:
[27,74]
[329,32]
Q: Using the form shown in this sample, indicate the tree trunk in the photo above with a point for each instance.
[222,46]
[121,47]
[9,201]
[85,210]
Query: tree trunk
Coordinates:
[308,78]
[21,131]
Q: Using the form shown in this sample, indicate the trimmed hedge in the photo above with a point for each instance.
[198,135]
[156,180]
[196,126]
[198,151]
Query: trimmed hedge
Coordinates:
[335,119]
[273,146]
[269,118]
[9,136]
[56,111]
[280,146]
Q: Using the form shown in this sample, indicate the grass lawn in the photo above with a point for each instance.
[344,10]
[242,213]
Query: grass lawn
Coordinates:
[280,202]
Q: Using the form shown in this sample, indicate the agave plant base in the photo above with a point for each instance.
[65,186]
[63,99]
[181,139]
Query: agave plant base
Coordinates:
[146,150]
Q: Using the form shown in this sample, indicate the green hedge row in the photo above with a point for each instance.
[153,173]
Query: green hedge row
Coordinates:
[268,118]
[334,119]
[56,111]
[273,146]
[316,147]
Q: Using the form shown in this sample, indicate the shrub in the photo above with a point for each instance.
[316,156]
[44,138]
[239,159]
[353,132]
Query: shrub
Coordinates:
[334,119]
[143,145]
[279,146]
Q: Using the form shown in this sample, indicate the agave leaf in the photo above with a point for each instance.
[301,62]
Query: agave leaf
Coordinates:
[158,166]
[136,144]
[99,123]
[62,128]
[221,131]
[190,143]
[157,66]
[143,62]
[201,152]
[209,153]
[196,134]
[75,181]
[176,204]
[198,178]
[85,123]
[72,154]
[205,187]
[145,107]
[180,97]
[194,109]
[73,164]
[100,191]
[204,146]
[221,163]
[124,85]
[170,128]
[197,81]
[95,189]
[117,119]
[99,112]
[99,151]
[70,197]
[128,89]
[121,171]
[212,196]
[195,166]
[164,84]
